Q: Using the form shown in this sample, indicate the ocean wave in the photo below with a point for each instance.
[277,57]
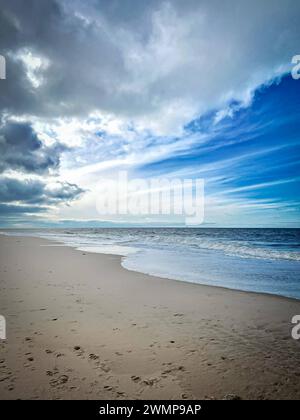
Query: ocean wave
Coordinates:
[246,251]
[268,244]
[256,260]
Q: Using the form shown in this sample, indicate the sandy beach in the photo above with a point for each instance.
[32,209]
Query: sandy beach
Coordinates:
[81,326]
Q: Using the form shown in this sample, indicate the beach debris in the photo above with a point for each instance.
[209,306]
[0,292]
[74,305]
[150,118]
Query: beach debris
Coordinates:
[135,378]
[77,347]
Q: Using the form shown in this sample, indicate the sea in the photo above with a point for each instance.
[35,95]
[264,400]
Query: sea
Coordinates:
[256,260]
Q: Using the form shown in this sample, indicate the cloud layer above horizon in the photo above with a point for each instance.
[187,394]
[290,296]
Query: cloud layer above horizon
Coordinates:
[155,87]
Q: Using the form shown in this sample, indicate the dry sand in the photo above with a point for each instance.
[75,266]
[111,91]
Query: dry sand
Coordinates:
[81,326]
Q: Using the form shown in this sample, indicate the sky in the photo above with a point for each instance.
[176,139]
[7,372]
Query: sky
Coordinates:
[195,89]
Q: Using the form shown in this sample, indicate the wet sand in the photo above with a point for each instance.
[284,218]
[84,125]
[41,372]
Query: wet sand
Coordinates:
[81,326]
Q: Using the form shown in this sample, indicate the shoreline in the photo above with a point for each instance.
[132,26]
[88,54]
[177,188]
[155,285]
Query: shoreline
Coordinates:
[79,325]
[58,243]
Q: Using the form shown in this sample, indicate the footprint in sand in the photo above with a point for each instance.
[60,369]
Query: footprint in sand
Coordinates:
[231,397]
[50,373]
[151,381]
[79,351]
[62,379]
[105,368]
[172,369]
[93,356]
[108,387]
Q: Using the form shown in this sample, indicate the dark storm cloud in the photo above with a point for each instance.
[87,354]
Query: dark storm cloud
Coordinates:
[135,58]
[16,190]
[9,210]
[82,60]
[35,191]
[21,149]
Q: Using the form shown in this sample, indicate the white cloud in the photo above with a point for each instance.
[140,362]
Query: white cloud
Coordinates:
[35,66]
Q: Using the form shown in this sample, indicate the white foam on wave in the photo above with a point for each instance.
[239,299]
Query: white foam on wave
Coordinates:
[246,251]
[112,250]
[110,241]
